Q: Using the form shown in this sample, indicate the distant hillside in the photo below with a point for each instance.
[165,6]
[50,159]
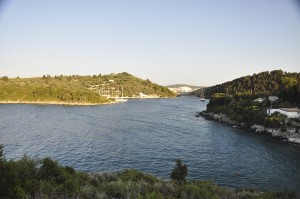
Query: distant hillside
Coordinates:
[183,85]
[283,84]
[198,92]
[75,88]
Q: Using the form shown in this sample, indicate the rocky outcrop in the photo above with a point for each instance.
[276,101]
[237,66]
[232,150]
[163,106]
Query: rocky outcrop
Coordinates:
[222,118]
[294,123]
[258,128]
[289,133]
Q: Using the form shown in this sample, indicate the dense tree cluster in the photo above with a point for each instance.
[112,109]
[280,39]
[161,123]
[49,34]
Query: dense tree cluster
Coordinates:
[237,99]
[75,88]
[45,178]
[29,178]
[244,108]
[240,107]
[48,93]
[282,84]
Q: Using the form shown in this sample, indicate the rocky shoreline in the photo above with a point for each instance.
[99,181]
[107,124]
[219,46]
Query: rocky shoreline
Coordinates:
[286,132]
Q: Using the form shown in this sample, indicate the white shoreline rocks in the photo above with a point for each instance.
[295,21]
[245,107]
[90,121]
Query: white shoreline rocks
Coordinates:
[289,133]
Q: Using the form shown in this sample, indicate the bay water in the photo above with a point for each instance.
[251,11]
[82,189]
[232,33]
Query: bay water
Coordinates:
[149,135]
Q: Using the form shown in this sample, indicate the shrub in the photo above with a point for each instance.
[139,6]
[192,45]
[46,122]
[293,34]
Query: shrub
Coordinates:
[179,172]
[133,175]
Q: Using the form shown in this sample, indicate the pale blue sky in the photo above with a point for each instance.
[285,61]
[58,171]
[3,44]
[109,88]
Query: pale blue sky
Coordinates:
[198,42]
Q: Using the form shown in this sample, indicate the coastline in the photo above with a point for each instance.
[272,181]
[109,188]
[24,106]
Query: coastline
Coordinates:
[57,103]
[291,134]
[148,97]
[73,103]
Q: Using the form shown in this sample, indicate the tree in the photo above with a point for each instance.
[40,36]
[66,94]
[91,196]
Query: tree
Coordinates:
[5,78]
[1,154]
[49,170]
[289,82]
[179,172]
[2,171]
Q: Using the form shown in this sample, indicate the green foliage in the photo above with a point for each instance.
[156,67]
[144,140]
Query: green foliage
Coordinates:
[32,93]
[2,170]
[289,82]
[193,191]
[18,178]
[154,195]
[133,175]
[49,169]
[76,89]
[279,83]
[115,190]
[29,178]
[275,120]
[1,154]
[133,85]
[240,107]
[219,99]
[179,172]
[243,108]
[5,78]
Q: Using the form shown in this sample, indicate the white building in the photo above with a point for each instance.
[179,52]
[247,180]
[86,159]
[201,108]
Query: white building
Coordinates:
[289,112]
[182,89]
[273,98]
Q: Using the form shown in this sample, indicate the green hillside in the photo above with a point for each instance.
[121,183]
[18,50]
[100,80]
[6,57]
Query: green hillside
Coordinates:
[77,89]
[283,84]
[237,99]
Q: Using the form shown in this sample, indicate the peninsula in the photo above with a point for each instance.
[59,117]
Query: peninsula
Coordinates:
[77,90]
[266,102]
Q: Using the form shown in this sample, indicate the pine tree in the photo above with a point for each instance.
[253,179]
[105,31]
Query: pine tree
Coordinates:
[179,172]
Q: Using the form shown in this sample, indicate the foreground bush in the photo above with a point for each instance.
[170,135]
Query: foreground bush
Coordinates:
[29,178]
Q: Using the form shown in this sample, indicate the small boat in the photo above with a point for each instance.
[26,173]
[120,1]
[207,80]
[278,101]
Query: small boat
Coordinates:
[202,96]
[121,99]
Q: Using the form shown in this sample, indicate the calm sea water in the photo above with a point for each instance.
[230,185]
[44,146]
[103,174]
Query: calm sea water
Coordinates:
[149,135]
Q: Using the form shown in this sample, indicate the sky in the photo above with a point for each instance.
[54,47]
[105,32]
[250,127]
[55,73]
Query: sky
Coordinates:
[195,42]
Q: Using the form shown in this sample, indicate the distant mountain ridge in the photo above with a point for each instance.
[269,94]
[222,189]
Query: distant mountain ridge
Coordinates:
[183,85]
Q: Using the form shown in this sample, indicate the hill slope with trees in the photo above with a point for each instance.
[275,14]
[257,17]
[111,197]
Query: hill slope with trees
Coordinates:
[77,89]
[244,102]
[285,85]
